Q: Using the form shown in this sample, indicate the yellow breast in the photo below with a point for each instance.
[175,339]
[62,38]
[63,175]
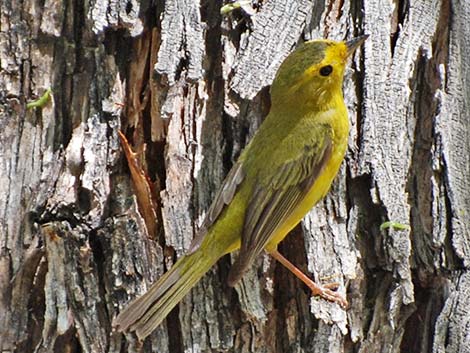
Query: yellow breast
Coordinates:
[338,119]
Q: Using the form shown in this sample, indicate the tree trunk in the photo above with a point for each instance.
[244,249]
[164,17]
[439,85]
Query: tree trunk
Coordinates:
[86,227]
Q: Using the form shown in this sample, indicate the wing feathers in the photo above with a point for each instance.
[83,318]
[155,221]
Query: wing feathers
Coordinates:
[274,201]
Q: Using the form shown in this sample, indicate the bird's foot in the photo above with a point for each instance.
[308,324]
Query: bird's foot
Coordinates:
[328,292]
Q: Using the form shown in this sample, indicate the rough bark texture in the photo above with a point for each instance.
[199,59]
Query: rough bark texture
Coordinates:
[188,89]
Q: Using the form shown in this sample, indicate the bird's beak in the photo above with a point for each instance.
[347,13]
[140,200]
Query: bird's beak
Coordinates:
[355,43]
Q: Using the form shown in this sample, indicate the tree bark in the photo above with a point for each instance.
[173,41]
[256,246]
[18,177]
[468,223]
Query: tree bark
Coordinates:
[84,227]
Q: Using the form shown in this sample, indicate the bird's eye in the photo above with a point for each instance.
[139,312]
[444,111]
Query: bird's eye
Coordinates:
[326,70]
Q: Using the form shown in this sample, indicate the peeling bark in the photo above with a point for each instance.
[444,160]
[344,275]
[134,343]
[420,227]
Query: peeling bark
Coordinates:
[188,88]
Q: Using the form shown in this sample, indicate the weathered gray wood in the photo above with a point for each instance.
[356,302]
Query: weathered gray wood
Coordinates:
[452,129]
[452,162]
[182,39]
[275,31]
[451,334]
[191,87]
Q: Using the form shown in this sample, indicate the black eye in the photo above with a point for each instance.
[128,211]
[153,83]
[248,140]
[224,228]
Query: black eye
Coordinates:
[326,70]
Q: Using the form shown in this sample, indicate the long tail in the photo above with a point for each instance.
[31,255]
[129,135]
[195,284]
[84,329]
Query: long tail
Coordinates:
[145,313]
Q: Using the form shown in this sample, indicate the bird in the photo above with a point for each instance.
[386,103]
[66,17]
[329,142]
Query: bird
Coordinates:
[286,168]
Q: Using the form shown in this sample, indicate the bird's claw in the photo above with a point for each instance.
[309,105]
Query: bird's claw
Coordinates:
[328,292]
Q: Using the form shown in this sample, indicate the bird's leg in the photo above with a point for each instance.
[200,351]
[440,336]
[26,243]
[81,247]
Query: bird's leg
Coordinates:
[326,291]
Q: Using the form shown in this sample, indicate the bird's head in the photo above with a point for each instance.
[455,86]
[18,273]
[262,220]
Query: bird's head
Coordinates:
[313,72]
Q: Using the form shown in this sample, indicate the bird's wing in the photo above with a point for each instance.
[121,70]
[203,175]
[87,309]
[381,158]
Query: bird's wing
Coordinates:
[223,197]
[274,200]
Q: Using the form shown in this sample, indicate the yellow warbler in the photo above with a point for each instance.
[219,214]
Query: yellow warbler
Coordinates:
[287,167]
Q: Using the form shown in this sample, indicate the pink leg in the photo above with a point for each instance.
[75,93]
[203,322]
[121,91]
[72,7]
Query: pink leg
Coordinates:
[326,291]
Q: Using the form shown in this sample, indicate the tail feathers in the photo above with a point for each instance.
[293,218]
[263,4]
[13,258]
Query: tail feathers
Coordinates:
[137,308]
[145,313]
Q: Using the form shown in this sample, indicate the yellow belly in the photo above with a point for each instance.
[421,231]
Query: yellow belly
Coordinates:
[226,233]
